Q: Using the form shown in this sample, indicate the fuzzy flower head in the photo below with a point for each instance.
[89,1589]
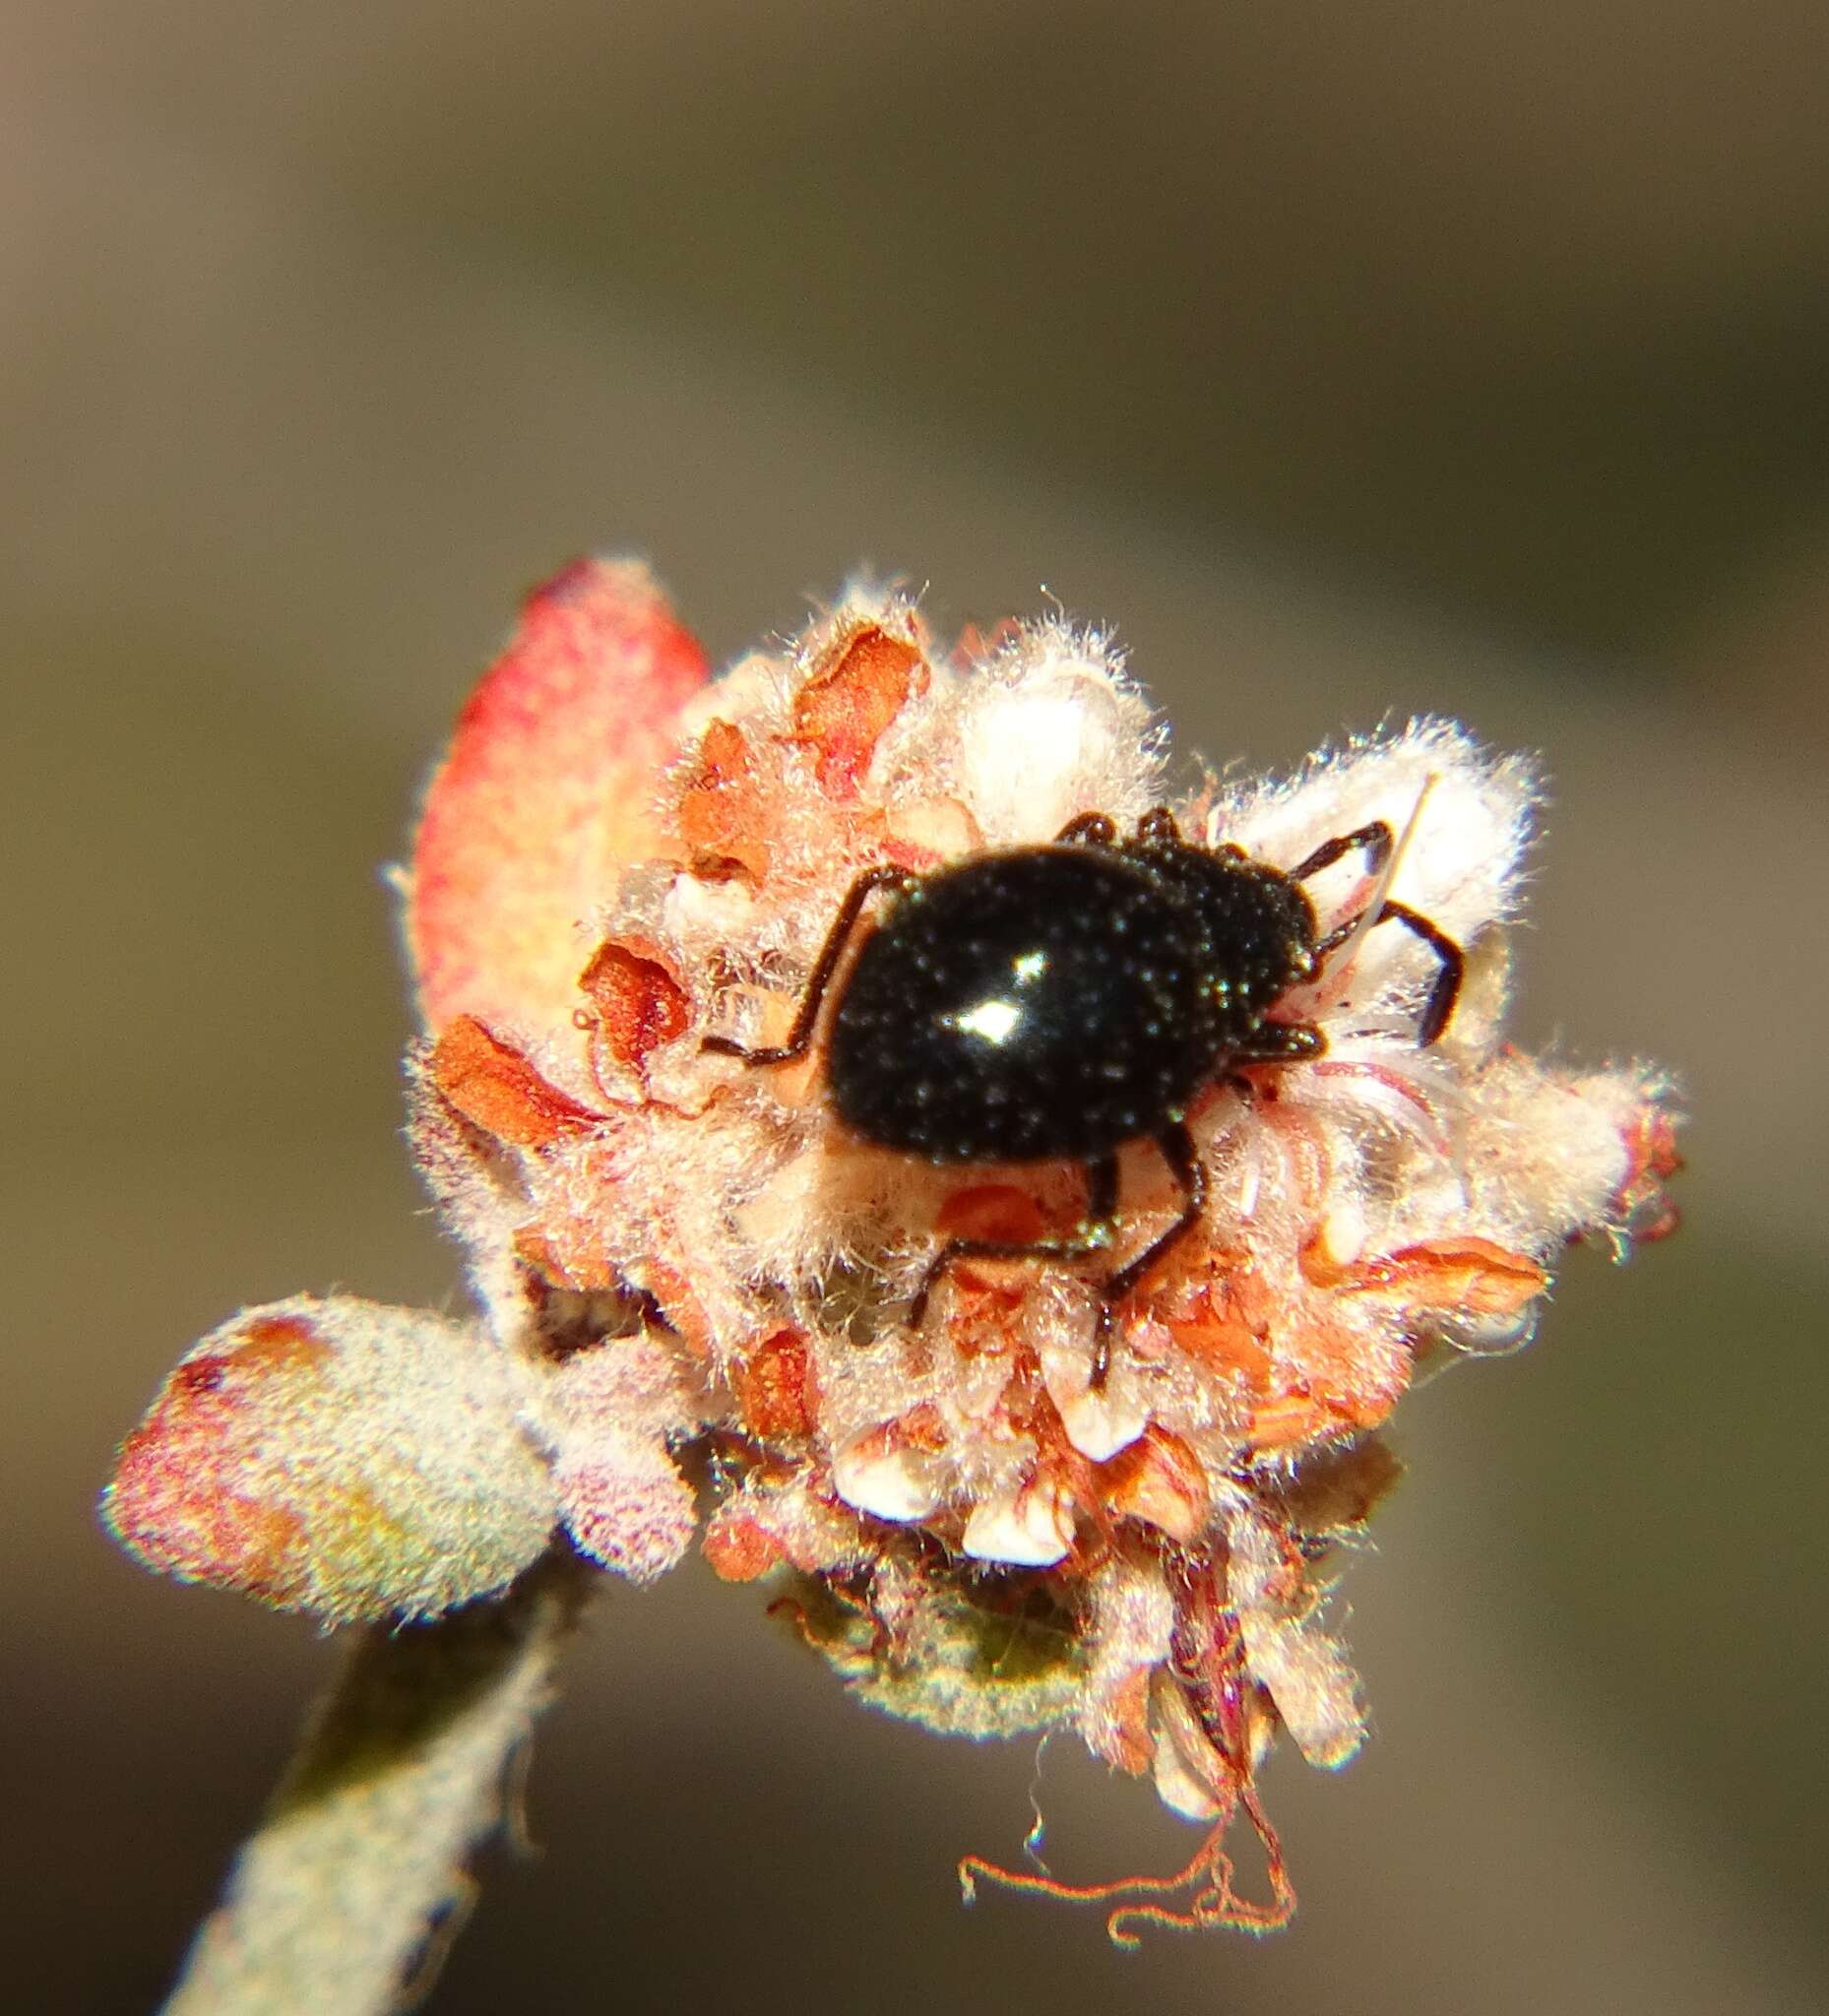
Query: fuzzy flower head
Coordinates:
[1018,1440]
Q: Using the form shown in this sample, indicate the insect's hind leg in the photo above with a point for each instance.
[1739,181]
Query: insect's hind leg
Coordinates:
[801,1036]
[1092,1234]
[1184,1164]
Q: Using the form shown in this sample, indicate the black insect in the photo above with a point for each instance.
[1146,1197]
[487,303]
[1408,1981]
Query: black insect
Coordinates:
[1054,1002]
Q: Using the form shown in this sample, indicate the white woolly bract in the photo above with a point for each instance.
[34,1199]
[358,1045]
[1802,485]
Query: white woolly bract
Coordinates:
[1462,864]
[1048,728]
[610,1412]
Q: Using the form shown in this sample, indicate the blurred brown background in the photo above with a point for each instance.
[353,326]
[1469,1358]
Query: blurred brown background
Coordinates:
[1348,359]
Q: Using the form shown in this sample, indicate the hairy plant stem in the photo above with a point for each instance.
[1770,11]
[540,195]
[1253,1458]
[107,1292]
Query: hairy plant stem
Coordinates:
[352,1889]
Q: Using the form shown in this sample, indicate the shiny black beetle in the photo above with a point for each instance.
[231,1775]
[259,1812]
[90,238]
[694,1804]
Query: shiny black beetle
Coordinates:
[1056,1002]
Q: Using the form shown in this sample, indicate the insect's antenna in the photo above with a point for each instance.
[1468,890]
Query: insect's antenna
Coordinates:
[1368,916]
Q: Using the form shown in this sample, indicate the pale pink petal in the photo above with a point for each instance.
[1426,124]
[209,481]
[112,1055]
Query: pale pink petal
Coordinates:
[610,1413]
[627,1506]
[1304,1669]
[543,796]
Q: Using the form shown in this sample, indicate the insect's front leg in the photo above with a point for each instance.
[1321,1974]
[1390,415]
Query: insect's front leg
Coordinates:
[1375,838]
[806,1016]
[1452,970]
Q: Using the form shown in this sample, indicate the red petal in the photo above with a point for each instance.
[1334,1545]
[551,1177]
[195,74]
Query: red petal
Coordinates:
[545,793]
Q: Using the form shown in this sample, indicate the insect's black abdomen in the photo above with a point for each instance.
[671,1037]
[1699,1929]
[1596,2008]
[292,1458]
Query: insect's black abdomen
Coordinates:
[1046,1002]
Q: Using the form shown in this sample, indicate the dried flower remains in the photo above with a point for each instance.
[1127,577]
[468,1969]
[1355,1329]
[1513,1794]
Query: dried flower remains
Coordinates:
[1027,1419]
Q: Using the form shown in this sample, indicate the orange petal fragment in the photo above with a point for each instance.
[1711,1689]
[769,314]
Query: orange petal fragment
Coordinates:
[494,1087]
[842,711]
[1160,1479]
[545,795]
[1289,1420]
[991,1211]
[1129,1745]
[1216,1331]
[738,1549]
[1471,1276]
[639,1003]
[774,1388]
[723,815]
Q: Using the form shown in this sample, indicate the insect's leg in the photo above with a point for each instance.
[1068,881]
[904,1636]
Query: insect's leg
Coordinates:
[1447,988]
[1092,1234]
[807,1014]
[1090,829]
[1375,838]
[1184,1164]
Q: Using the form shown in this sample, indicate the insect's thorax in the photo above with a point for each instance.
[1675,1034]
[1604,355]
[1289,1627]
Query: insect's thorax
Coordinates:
[1259,929]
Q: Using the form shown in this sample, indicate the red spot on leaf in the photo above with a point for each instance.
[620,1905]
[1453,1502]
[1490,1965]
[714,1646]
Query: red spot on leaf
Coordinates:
[176,1499]
[275,1343]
